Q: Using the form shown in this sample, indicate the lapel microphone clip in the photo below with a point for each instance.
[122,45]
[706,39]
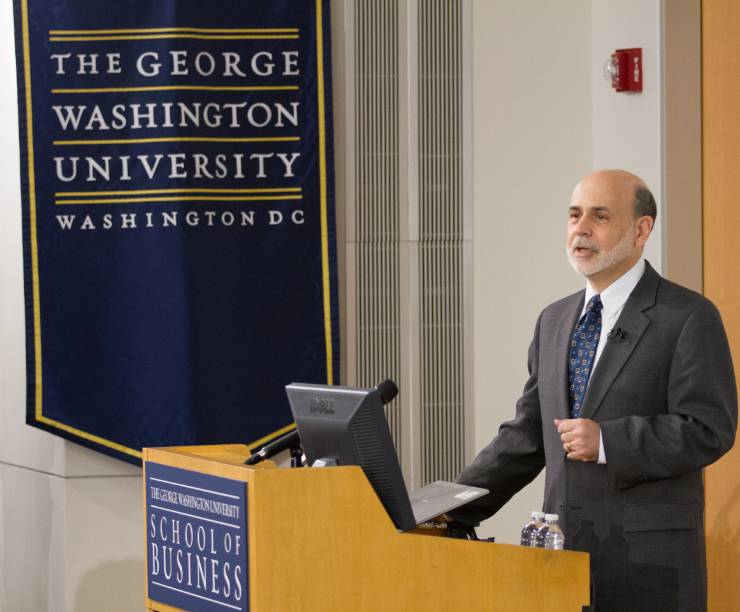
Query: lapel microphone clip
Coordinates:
[617,334]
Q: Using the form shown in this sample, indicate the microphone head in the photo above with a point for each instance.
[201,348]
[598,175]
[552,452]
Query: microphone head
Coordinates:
[254,459]
[387,390]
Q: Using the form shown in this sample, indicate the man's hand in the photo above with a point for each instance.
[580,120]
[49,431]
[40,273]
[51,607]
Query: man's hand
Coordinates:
[580,438]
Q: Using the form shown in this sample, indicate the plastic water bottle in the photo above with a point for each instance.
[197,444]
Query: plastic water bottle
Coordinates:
[540,518]
[529,530]
[554,538]
[539,538]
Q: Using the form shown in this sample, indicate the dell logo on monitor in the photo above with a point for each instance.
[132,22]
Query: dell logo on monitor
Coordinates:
[321,406]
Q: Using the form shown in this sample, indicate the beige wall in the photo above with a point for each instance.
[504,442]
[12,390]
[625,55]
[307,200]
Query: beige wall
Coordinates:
[628,128]
[543,115]
[532,139]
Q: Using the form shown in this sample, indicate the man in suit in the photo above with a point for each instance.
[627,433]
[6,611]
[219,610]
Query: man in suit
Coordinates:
[631,392]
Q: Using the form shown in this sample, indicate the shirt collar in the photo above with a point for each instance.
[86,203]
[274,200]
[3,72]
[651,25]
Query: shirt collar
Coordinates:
[616,294]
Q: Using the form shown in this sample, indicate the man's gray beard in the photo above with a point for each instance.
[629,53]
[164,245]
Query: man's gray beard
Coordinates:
[603,259]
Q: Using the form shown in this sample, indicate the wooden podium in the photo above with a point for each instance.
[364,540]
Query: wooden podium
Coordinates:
[319,540]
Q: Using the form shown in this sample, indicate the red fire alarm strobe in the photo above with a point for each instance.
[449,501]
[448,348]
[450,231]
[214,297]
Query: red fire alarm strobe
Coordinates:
[625,69]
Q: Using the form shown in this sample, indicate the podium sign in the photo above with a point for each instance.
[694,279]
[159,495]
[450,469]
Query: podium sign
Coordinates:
[196,540]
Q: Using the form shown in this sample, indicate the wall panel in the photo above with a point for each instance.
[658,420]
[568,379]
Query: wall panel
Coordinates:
[721,222]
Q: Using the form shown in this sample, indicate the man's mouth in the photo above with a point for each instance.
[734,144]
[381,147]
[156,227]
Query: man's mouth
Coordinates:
[581,251]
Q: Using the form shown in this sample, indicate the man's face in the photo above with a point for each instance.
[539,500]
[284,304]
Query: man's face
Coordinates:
[602,229]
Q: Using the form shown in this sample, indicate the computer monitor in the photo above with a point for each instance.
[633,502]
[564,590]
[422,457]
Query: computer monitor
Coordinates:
[347,426]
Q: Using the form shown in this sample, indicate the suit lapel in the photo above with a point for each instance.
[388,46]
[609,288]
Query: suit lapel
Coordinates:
[564,333]
[633,323]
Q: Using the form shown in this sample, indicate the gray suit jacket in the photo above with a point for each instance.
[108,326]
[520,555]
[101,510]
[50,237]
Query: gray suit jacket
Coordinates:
[664,395]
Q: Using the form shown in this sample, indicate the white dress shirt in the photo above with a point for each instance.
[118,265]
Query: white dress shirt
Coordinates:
[613,299]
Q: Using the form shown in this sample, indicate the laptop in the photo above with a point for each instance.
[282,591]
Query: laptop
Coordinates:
[439,497]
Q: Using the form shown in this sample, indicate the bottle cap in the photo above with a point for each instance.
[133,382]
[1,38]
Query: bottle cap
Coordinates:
[551,517]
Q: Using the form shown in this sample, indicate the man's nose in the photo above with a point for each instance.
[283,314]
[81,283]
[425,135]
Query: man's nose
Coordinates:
[582,227]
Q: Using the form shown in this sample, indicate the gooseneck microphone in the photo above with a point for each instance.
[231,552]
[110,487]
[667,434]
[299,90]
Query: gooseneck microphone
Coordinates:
[289,440]
[387,391]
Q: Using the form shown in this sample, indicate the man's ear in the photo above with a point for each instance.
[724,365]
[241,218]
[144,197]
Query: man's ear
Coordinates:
[644,227]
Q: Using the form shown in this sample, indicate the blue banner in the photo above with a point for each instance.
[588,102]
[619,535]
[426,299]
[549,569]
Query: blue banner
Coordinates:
[196,540]
[178,217]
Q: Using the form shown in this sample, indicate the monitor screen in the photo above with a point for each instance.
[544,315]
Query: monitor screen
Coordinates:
[347,426]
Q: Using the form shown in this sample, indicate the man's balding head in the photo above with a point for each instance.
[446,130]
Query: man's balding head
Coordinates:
[624,186]
[611,216]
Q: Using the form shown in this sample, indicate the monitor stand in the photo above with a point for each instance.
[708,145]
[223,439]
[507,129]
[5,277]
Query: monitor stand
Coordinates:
[296,456]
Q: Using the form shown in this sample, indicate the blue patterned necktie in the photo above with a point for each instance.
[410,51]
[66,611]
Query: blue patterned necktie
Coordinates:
[581,357]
